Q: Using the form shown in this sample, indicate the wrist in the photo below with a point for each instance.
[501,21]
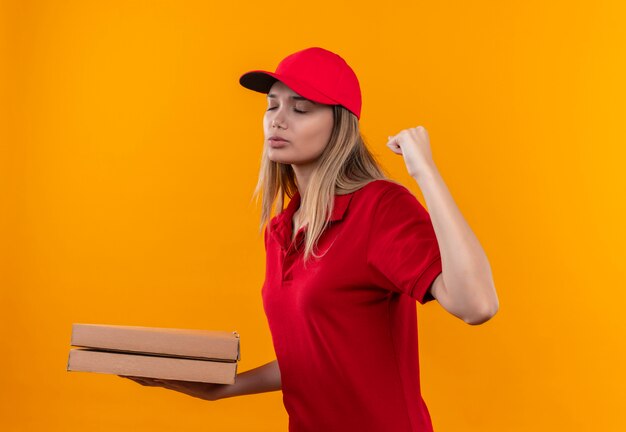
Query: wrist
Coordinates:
[224,391]
[428,171]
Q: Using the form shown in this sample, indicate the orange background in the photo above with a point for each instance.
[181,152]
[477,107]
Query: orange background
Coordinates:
[129,153]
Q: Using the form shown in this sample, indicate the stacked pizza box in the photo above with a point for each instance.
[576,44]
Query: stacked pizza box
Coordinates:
[166,353]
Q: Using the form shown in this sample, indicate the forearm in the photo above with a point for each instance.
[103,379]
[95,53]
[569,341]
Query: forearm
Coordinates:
[262,379]
[466,269]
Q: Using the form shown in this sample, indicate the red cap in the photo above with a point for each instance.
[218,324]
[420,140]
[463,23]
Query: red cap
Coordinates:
[314,73]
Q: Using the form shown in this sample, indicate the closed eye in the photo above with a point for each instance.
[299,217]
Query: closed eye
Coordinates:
[298,111]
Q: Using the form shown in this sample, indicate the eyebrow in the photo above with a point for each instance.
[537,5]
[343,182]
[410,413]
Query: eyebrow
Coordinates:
[272,96]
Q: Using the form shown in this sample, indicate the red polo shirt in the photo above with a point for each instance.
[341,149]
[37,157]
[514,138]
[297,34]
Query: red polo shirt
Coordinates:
[345,328]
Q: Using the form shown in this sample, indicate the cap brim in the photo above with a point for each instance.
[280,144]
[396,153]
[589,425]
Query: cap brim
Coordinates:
[258,80]
[262,81]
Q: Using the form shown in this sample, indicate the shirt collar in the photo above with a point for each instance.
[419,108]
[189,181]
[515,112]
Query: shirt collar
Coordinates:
[282,224]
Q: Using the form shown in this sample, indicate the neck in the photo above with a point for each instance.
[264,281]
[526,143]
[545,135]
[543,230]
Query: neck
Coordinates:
[303,175]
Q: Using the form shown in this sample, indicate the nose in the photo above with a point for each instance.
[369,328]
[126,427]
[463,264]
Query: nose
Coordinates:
[276,123]
[276,118]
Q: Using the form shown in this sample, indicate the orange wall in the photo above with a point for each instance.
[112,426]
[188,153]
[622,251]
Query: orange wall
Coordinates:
[129,153]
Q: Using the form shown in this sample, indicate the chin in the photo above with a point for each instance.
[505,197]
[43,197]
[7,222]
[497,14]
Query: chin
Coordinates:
[282,160]
[284,157]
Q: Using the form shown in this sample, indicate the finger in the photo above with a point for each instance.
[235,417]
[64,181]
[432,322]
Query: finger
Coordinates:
[138,380]
[142,380]
[151,381]
[394,148]
[129,377]
[393,140]
[169,384]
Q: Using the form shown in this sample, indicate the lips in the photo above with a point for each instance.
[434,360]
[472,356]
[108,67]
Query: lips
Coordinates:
[277,143]
[277,139]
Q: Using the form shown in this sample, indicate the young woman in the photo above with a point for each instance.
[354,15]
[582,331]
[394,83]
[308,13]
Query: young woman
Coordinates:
[347,258]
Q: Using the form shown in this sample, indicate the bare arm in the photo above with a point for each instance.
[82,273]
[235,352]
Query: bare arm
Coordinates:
[262,379]
[469,291]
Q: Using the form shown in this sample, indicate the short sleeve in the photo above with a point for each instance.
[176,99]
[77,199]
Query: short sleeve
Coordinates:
[403,254]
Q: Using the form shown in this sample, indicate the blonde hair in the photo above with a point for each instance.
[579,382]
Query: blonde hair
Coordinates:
[345,166]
